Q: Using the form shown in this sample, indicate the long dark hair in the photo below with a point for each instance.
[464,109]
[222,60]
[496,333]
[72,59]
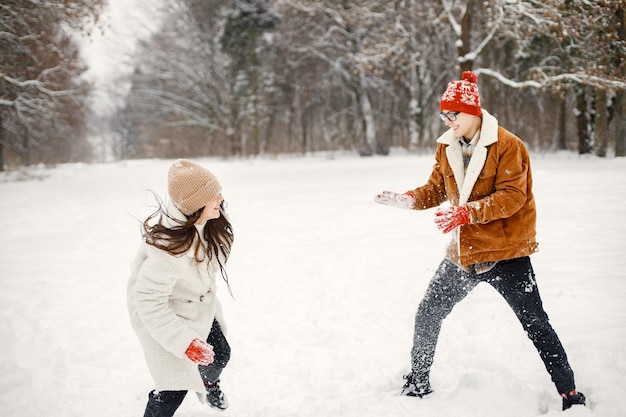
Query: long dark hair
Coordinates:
[177,236]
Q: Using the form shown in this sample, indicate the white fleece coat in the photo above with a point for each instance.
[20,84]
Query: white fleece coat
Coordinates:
[172,300]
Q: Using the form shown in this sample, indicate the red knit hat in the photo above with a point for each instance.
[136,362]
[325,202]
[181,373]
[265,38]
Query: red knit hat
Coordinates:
[462,95]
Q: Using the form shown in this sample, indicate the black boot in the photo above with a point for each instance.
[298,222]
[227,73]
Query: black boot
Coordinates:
[164,403]
[572,398]
[416,385]
[215,397]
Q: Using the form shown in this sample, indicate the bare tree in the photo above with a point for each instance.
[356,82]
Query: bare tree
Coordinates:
[365,75]
[178,100]
[572,46]
[336,34]
[41,96]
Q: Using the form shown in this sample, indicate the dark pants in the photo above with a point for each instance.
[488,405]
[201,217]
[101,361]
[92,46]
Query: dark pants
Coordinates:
[515,281]
[165,403]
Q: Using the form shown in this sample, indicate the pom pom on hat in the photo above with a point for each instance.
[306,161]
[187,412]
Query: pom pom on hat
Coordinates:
[462,95]
[469,76]
[191,186]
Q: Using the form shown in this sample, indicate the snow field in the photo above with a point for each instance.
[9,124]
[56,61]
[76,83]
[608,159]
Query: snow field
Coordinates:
[326,285]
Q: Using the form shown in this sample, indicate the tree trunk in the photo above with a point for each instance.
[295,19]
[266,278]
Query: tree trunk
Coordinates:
[367,113]
[620,98]
[1,145]
[601,128]
[582,122]
[413,108]
[562,139]
[255,122]
[464,46]
[233,132]
[620,123]
[304,126]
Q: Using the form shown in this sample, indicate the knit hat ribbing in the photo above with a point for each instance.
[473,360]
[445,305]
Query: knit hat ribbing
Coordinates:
[191,186]
[462,95]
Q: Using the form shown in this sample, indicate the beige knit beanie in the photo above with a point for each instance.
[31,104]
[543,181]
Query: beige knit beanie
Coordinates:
[191,186]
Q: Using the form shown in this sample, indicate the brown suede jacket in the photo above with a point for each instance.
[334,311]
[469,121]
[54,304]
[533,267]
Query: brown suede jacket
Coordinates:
[497,188]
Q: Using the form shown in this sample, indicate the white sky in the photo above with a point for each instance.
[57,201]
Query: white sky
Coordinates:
[106,51]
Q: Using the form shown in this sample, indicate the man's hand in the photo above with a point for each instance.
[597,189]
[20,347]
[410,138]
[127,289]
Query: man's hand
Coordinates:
[389,198]
[449,218]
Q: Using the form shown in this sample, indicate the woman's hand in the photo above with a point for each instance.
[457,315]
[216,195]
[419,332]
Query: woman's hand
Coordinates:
[200,352]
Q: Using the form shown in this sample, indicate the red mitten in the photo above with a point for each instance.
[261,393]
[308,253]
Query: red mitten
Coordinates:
[449,218]
[200,352]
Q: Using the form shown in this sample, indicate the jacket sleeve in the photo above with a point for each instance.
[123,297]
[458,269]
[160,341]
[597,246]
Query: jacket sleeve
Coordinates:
[155,282]
[510,184]
[433,193]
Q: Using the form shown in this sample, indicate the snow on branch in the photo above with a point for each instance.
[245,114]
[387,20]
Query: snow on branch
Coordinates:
[506,81]
[456,27]
[577,78]
[39,85]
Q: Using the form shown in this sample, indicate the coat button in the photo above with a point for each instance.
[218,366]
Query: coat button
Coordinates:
[201,298]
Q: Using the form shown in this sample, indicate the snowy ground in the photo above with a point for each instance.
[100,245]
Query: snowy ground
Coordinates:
[326,284]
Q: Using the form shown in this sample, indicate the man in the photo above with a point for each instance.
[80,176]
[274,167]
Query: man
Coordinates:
[483,171]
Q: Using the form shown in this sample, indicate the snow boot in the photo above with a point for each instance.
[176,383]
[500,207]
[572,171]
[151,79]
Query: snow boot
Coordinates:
[215,397]
[572,398]
[416,385]
[164,403]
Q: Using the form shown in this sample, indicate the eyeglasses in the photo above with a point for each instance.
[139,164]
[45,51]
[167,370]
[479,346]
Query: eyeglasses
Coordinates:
[449,116]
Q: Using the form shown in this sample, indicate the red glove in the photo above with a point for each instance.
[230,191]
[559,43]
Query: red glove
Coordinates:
[200,352]
[449,218]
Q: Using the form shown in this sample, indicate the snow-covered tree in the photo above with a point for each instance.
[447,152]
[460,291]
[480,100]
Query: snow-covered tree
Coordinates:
[336,34]
[177,103]
[574,46]
[246,22]
[253,76]
[42,99]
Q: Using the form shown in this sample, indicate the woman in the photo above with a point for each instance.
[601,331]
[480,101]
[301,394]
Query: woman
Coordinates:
[172,291]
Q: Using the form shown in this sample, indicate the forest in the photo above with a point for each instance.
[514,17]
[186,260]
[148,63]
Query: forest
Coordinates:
[241,78]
